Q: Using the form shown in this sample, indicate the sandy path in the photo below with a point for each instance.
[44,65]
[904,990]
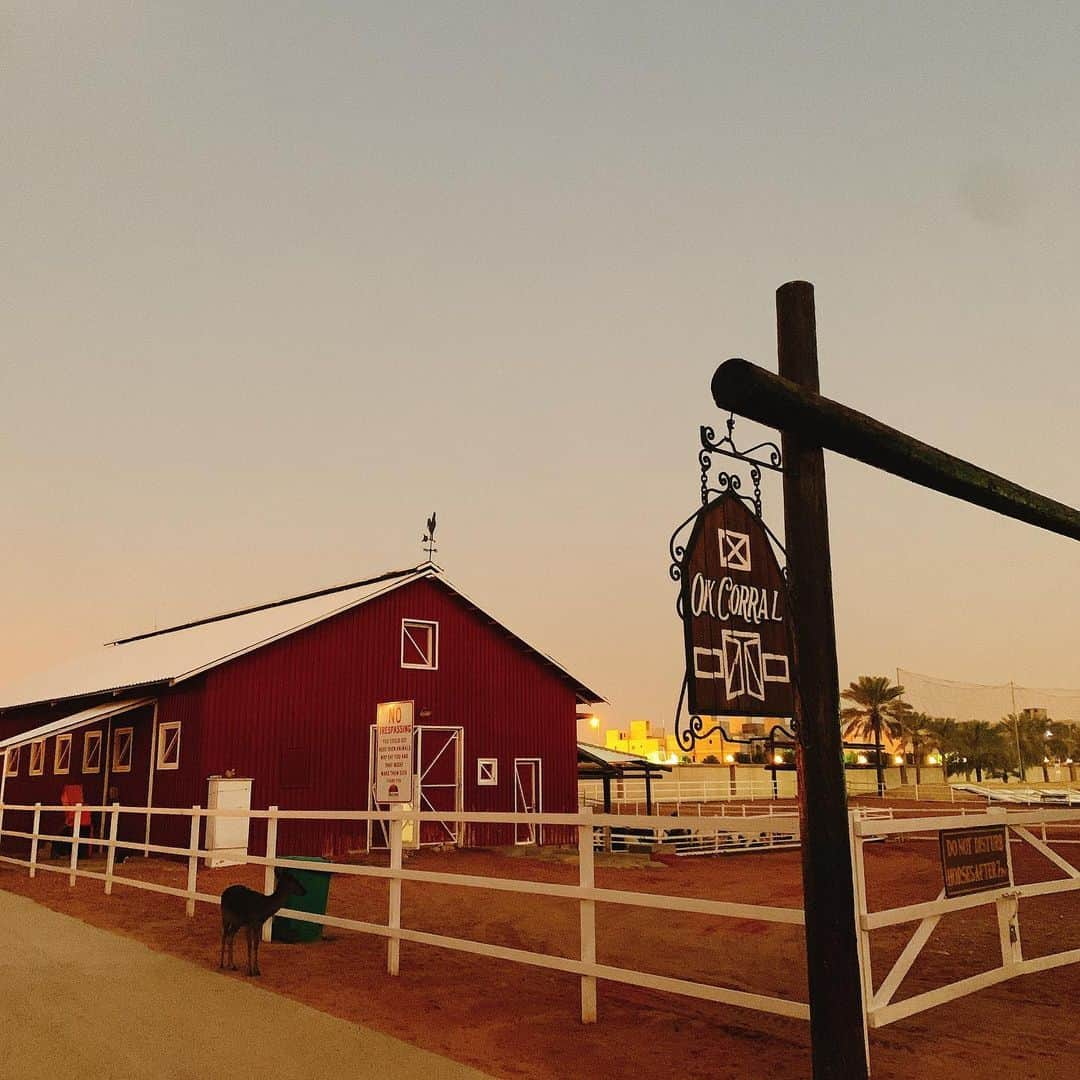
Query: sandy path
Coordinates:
[78,1001]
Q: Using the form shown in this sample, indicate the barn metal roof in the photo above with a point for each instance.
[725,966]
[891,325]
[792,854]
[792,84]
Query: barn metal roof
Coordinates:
[171,655]
[75,720]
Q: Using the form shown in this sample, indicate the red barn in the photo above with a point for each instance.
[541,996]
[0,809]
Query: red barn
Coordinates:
[286,694]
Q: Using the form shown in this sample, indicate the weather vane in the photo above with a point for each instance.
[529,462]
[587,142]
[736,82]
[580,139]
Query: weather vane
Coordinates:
[429,537]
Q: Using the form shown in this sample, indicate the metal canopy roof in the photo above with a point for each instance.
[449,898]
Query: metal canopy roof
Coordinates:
[169,656]
[75,720]
[599,761]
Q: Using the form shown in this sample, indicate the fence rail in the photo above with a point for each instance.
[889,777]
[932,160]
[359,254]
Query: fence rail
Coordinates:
[585,893]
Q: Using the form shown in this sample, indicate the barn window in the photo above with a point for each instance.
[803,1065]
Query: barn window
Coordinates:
[91,752]
[419,644]
[37,757]
[487,772]
[168,747]
[11,761]
[62,755]
[121,749]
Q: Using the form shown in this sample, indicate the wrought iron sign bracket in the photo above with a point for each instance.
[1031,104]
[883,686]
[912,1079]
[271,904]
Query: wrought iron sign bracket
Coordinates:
[765,455]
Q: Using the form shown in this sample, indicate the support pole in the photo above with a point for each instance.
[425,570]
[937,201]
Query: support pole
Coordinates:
[837,1021]
[269,876]
[587,917]
[393,920]
[34,831]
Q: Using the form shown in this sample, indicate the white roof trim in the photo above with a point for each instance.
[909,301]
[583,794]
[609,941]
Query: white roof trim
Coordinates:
[299,626]
[539,652]
[75,720]
[174,656]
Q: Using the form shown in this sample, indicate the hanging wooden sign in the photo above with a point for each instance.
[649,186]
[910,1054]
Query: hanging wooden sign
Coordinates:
[735,618]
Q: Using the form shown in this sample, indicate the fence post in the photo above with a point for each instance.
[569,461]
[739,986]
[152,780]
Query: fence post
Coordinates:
[34,841]
[587,909]
[193,863]
[110,847]
[862,937]
[393,920]
[1008,917]
[269,882]
[75,845]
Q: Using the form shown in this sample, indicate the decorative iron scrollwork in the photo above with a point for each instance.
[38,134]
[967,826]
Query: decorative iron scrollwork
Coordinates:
[765,455]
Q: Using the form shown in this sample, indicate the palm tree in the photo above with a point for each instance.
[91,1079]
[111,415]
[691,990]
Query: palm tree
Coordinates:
[946,733]
[1036,736]
[982,745]
[918,730]
[876,707]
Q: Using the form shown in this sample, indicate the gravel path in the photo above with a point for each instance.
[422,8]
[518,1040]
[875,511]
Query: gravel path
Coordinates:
[78,1001]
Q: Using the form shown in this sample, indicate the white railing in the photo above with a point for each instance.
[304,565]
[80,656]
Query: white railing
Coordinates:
[585,893]
[677,792]
[682,834]
[881,1009]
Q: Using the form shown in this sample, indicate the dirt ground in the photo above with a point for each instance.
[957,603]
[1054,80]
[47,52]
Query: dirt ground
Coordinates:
[513,1020]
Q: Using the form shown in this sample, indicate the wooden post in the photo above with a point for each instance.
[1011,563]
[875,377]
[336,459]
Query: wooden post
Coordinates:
[836,1007]
[587,911]
[393,921]
[110,847]
[269,878]
[193,863]
[34,841]
[74,863]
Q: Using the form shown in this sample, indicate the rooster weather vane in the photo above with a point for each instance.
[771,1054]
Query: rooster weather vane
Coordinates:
[428,539]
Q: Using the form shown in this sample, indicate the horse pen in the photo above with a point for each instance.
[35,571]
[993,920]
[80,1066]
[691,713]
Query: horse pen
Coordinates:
[694,965]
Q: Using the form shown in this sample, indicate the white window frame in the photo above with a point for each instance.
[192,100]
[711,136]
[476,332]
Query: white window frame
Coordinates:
[62,740]
[487,772]
[163,731]
[38,746]
[12,758]
[89,738]
[117,767]
[434,627]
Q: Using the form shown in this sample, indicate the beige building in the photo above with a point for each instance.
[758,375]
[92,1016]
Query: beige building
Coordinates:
[641,741]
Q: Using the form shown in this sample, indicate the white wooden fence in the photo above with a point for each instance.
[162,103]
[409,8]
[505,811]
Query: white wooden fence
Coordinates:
[881,1009]
[585,893]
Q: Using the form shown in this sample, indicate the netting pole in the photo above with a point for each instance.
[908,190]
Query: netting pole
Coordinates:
[1016,730]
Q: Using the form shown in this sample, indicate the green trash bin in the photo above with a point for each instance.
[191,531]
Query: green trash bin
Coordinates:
[317,891]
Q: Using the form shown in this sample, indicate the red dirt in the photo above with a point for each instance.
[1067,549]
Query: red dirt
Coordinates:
[513,1020]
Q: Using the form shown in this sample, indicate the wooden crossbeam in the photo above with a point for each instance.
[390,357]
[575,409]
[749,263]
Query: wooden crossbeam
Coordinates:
[760,395]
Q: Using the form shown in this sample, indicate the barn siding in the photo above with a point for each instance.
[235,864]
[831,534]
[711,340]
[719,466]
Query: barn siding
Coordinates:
[313,696]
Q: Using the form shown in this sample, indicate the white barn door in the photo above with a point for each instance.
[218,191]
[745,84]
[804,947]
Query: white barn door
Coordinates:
[527,799]
[438,787]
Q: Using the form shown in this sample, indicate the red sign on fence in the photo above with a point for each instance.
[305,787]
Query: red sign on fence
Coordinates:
[735,618]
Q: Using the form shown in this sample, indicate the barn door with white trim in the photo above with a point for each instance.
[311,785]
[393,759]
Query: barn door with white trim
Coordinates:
[439,768]
[438,754]
[527,799]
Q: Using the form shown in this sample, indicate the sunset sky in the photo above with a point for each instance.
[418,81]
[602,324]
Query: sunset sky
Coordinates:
[280,280]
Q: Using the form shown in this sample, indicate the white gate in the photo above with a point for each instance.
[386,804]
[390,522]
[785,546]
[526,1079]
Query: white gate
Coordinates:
[438,754]
[1057,827]
[527,799]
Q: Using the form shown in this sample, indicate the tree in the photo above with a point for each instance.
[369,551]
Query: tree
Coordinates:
[1037,739]
[946,733]
[918,730]
[876,707]
[982,748]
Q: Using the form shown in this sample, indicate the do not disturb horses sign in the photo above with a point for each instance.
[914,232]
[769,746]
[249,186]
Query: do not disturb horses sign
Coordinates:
[735,617]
